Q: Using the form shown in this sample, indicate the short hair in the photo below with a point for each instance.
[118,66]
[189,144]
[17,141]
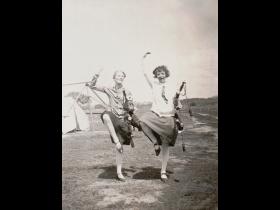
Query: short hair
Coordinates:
[117,72]
[161,68]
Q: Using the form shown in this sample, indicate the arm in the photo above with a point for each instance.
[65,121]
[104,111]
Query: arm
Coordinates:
[146,76]
[92,85]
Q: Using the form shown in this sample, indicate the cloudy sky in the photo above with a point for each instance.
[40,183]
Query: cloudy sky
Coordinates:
[115,34]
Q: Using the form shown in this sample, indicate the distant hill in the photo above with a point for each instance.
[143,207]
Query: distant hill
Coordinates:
[205,105]
[212,101]
[191,101]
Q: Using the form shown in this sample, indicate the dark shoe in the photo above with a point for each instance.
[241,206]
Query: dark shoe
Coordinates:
[132,143]
[157,150]
[120,178]
[184,147]
[180,126]
[163,177]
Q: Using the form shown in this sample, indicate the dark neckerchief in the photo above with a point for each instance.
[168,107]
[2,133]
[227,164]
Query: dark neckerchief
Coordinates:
[163,94]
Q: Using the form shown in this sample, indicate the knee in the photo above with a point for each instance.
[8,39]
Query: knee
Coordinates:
[106,118]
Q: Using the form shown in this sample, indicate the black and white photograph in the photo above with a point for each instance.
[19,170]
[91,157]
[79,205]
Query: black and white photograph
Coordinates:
[140,104]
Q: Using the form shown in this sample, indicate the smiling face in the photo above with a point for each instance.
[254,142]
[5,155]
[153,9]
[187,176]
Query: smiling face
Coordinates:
[160,74]
[119,77]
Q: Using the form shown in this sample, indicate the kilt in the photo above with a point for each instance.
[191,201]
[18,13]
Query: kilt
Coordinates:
[164,128]
[121,127]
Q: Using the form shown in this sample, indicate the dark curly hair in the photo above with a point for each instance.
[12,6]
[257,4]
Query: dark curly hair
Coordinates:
[161,68]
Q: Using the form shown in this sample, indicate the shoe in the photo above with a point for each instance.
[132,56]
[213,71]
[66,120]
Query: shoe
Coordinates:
[180,126]
[157,151]
[184,147]
[132,143]
[120,177]
[163,177]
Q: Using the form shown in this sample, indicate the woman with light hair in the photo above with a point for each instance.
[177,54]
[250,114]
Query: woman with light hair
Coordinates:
[115,117]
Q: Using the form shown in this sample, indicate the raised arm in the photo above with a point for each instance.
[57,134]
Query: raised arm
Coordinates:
[92,85]
[145,75]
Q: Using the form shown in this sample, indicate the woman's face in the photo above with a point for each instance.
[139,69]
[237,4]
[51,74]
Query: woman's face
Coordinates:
[161,74]
[119,77]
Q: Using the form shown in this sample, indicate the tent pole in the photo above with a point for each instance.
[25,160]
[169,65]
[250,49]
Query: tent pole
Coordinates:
[77,123]
[75,100]
[90,114]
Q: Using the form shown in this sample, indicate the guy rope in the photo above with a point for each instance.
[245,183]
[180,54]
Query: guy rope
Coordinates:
[86,86]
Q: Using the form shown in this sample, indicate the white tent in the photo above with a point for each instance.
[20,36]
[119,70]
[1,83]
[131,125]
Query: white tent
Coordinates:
[73,117]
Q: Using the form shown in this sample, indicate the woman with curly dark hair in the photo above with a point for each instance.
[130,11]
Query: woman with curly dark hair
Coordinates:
[159,123]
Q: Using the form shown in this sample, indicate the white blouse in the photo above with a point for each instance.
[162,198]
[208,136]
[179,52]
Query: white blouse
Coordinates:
[161,105]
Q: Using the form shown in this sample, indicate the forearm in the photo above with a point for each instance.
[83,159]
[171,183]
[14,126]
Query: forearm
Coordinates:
[145,75]
[148,80]
[98,88]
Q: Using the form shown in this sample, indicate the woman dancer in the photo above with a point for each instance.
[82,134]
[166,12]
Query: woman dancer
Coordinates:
[159,123]
[114,116]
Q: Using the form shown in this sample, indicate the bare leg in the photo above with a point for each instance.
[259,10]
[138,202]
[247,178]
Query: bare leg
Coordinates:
[165,158]
[110,127]
[119,158]
[112,132]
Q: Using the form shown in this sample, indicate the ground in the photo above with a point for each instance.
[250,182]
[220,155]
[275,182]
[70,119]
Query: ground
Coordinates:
[89,172]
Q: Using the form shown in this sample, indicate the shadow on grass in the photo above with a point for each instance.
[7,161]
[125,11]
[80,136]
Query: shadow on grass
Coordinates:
[145,173]
[110,172]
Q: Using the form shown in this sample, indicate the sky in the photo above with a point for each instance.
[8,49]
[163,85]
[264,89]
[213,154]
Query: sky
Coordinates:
[114,35]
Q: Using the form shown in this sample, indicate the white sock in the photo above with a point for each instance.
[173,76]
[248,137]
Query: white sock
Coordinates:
[165,157]
[119,162]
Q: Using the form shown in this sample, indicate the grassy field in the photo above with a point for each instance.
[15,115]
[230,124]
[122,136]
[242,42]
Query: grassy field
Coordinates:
[89,177]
